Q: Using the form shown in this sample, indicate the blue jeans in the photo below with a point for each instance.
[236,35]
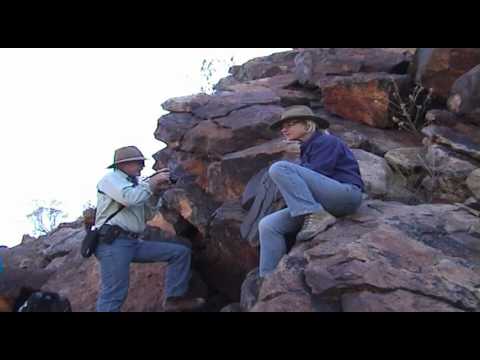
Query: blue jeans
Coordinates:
[115,262]
[305,192]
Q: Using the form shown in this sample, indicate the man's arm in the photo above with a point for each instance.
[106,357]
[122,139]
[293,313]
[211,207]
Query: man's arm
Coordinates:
[125,192]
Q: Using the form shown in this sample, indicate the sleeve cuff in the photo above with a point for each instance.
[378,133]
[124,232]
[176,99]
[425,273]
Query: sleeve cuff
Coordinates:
[147,186]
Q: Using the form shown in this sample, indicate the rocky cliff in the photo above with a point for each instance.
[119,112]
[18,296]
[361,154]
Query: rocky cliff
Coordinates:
[413,246]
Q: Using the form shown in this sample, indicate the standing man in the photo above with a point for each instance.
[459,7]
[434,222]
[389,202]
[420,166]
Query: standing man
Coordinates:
[120,240]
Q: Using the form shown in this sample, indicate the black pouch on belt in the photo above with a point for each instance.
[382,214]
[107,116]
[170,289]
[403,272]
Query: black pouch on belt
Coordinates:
[89,243]
[94,236]
[108,233]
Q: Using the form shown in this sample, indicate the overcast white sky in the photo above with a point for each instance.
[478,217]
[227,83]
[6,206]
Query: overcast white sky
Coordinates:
[64,111]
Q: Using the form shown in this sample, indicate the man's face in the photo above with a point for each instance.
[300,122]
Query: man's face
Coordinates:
[293,129]
[132,168]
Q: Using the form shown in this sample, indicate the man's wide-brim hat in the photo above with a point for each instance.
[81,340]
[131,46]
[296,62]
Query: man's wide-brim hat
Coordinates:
[126,154]
[300,112]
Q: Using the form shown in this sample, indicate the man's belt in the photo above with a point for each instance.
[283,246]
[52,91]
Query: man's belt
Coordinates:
[127,233]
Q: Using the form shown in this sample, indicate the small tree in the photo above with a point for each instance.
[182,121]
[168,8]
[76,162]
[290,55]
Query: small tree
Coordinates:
[46,216]
[211,71]
[409,112]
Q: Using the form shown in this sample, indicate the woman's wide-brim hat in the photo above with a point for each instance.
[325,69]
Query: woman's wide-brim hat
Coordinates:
[300,112]
[126,154]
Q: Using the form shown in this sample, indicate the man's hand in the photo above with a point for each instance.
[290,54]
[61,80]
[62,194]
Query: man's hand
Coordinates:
[160,178]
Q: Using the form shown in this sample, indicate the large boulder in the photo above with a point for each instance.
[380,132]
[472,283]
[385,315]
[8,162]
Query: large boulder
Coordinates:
[362,136]
[228,177]
[80,281]
[222,105]
[13,278]
[172,127]
[185,104]
[285,290]
[366,98]
[263,67]
[473,183]
[398,259]
[33,262]
[375,172]
[28,256]
[54,263]
[386,257]
[233,132]
[382,181]
[63,241]
[465,95]
[406,160]
[439,68]
[225,249]
[312,65]
[284,86]
[462,143]
[408,173]
[249,290]
[184,167]
[395,301]
[447,173]
[192,204]
[459,123]
[291,302]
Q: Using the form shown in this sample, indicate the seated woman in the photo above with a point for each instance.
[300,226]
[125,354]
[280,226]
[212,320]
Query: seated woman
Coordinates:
[326,184]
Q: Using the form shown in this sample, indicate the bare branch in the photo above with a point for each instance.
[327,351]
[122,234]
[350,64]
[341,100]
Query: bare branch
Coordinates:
[409,112]
[46,217]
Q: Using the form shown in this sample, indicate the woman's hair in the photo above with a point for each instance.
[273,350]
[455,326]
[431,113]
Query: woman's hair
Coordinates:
[310,126]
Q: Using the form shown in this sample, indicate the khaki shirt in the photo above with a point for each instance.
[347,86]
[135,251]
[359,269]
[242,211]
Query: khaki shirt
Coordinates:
[139,201]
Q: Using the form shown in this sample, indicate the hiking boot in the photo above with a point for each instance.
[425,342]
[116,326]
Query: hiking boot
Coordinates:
[314,224]
[179,304]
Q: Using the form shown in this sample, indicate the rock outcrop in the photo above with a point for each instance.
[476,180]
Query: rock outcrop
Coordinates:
[387,257]
[465,95]
[352,87]
[53,263]
[439,68]
[414,244]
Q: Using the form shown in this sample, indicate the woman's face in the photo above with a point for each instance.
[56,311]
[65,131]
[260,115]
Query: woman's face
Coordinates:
[294,129]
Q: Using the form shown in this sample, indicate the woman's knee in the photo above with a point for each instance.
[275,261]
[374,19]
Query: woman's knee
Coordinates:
[279,168]
[182,251]
[264,225]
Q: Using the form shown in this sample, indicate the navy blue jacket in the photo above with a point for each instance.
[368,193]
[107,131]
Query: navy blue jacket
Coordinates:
[329,156]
